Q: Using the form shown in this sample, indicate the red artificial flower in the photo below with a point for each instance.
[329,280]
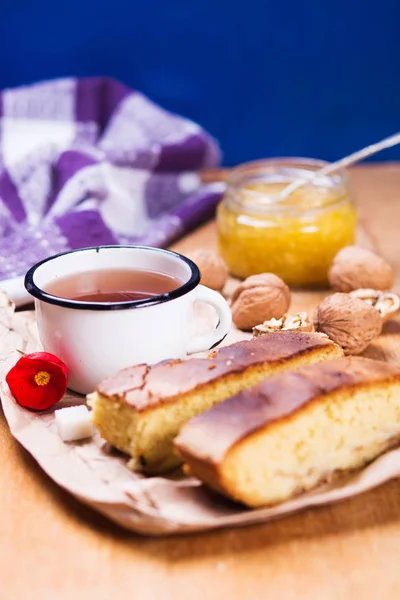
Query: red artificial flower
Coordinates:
[38,380]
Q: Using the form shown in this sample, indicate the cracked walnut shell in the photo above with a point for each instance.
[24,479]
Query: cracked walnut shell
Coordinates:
[298,322]
[348,321]
[259,298]
[354,268]
[386,303]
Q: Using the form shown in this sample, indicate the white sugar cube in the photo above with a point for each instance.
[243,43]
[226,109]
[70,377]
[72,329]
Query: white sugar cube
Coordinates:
[73,423]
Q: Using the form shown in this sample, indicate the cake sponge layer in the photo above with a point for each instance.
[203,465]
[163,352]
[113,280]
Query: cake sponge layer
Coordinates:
[141,409]
[295,430]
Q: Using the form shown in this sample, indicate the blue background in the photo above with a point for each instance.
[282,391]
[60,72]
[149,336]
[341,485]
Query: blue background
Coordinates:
[316,78]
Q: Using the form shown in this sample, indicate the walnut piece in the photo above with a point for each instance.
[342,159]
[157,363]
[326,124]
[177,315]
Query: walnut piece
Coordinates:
[354,268]
[213,270]
[386,303]
[348,321]
[298,322]
[259,298]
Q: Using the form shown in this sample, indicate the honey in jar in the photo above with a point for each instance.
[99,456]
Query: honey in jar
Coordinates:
[297,237]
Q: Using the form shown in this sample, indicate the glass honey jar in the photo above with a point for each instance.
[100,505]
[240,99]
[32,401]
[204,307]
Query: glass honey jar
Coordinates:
[296,238]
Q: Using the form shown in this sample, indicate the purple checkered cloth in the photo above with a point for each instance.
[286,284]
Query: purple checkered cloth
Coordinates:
[85,162]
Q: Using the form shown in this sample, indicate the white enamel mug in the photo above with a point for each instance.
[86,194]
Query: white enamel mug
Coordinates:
[97,339]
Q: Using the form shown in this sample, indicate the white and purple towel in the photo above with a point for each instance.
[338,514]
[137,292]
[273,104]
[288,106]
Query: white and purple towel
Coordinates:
[86,162]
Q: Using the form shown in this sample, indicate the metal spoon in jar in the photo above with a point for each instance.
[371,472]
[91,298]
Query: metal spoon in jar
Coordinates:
[393,140]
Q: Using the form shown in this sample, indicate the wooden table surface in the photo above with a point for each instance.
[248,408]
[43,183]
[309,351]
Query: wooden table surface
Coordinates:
[52,548]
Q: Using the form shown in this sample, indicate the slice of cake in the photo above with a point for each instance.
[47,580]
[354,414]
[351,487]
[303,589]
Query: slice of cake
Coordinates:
[295,430]
[141,409]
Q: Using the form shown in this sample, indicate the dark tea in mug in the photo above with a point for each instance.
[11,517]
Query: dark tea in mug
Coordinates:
[116,285]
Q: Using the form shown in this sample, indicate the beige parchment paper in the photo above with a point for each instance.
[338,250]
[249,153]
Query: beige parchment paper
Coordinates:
[97,475]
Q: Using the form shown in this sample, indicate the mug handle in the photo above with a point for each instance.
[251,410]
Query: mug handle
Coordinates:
[209,340]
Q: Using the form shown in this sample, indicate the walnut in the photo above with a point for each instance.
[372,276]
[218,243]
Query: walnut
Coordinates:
[213,270]
[386,303]
[298,322]
[348,321]
[354,268]
[259,298]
